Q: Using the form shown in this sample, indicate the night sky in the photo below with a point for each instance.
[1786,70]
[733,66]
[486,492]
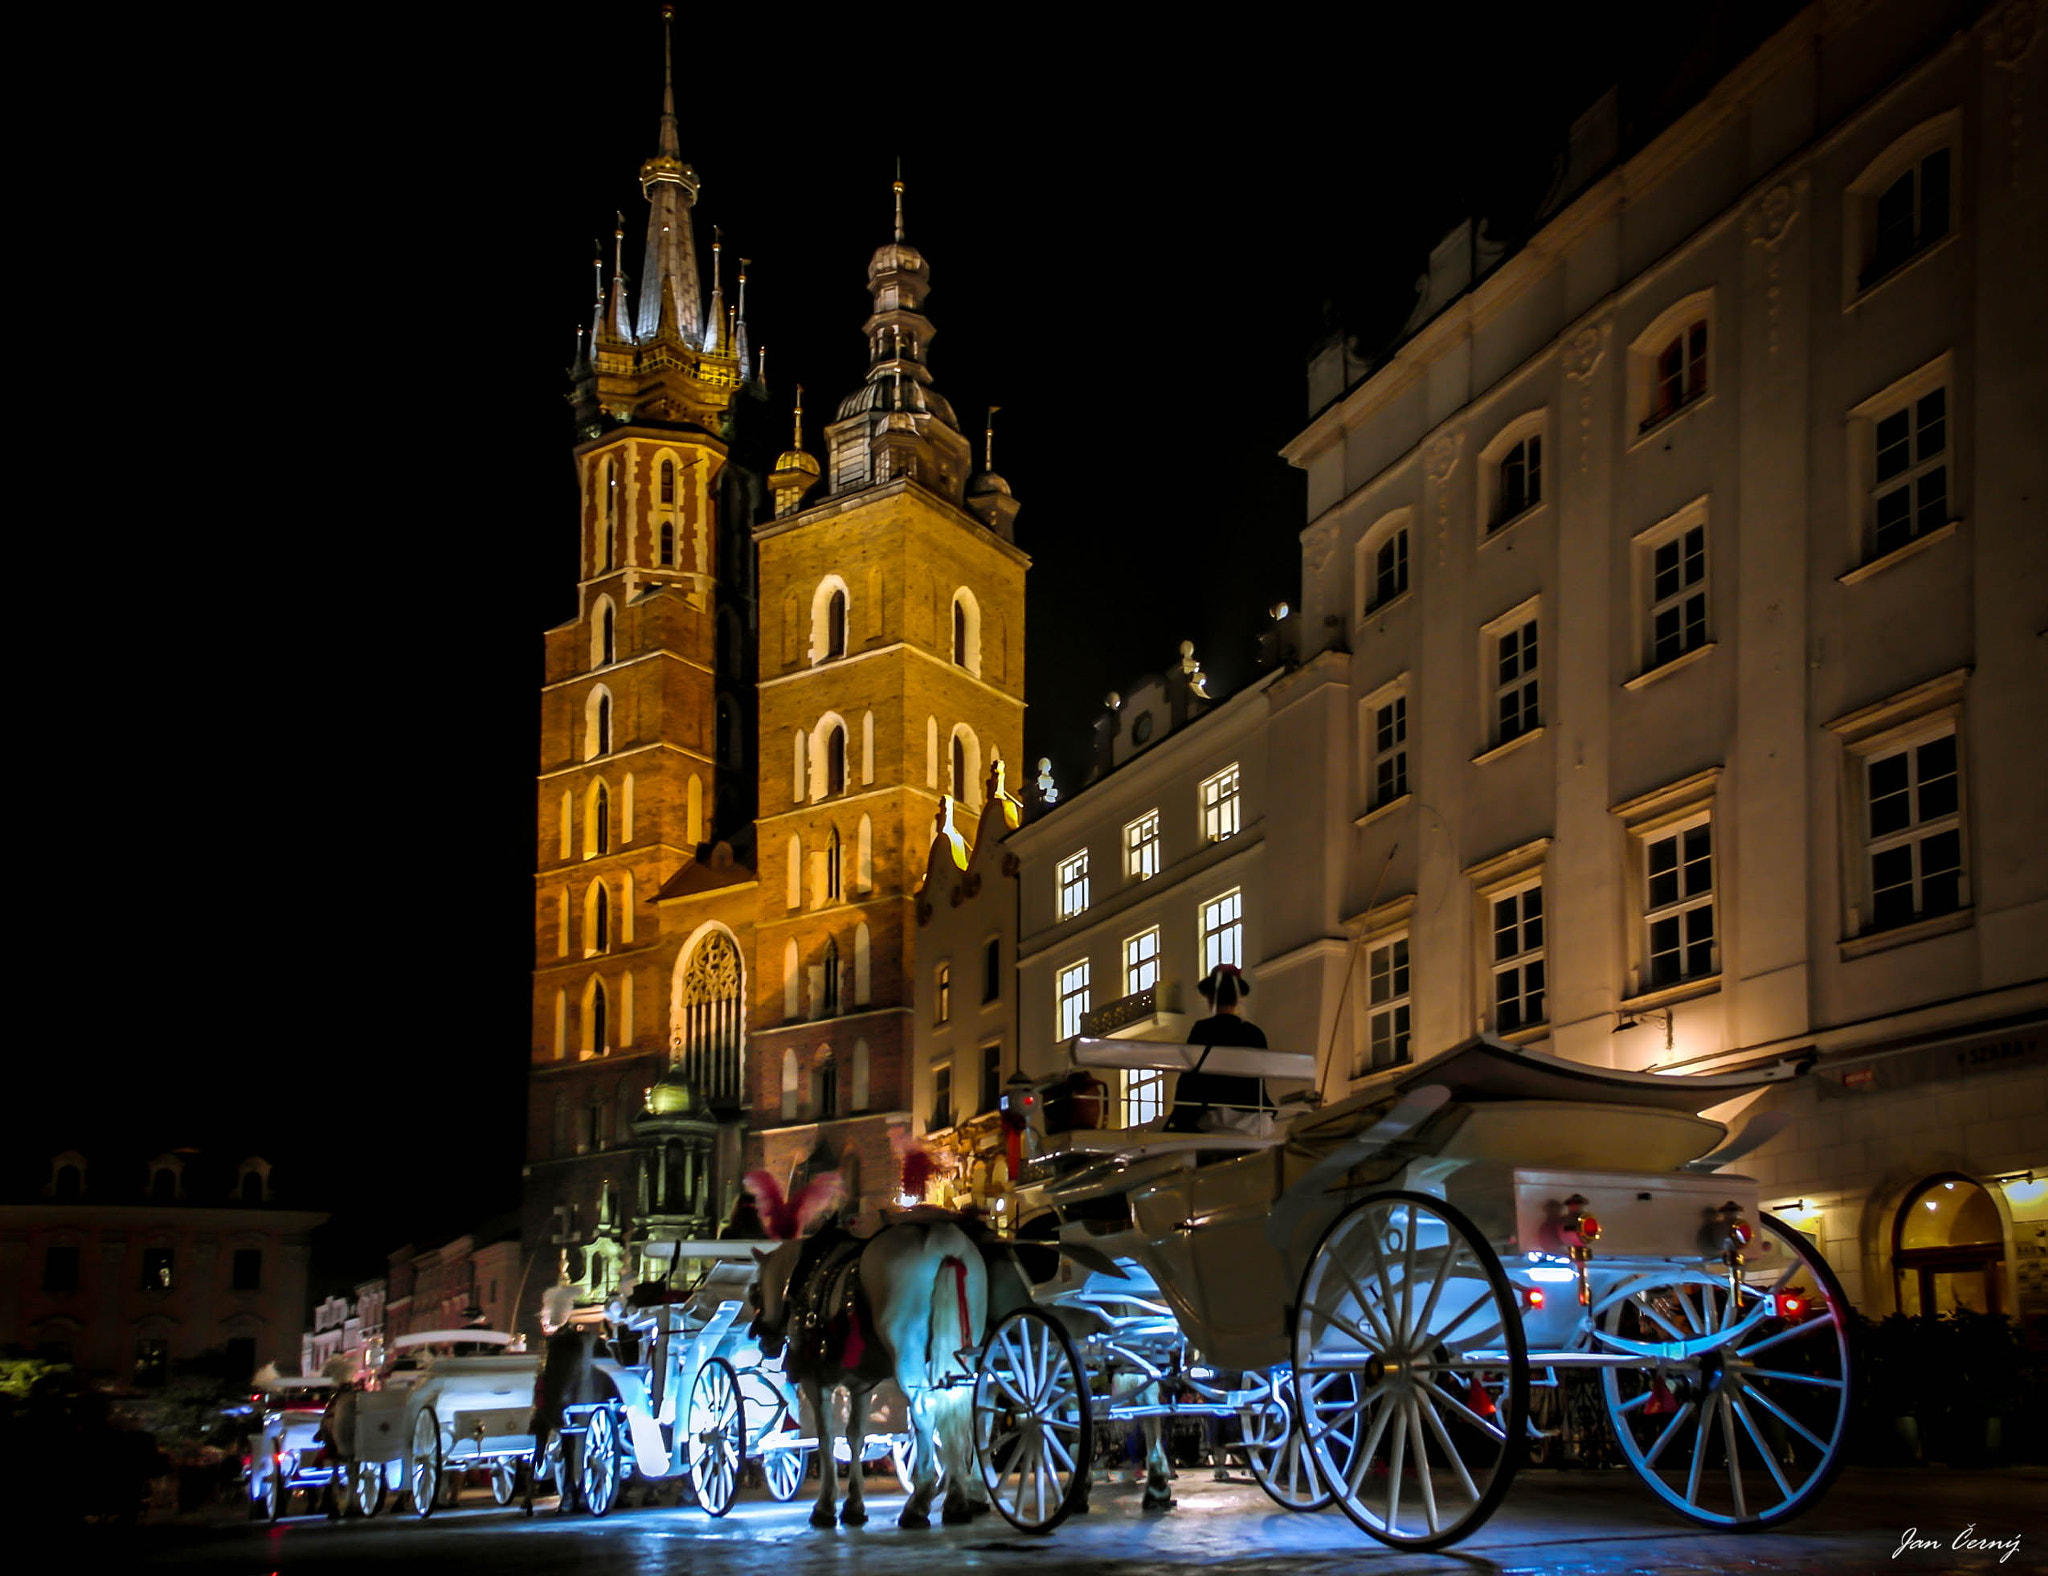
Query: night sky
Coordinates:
[313,281]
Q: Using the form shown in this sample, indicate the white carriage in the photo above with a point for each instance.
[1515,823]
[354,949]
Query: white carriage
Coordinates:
[284,1447]
[1402,1266]
[447,1402]
[692,1398]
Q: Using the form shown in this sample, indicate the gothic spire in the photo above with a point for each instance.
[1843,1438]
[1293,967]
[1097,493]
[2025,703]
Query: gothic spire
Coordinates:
[714,320]
[668,275]
[616,323]
[739,338]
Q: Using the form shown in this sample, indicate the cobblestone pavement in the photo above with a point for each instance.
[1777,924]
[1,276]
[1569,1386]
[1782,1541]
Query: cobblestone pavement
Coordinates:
[1553,1524]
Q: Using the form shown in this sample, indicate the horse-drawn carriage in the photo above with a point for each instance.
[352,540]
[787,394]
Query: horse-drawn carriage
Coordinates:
[1374,1292]
[283,1445]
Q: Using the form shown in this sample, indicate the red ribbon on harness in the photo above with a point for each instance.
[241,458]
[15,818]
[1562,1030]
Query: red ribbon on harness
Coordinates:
[960,1287]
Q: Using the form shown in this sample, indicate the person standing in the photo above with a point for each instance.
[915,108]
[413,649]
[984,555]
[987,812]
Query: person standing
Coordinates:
[1206,1102]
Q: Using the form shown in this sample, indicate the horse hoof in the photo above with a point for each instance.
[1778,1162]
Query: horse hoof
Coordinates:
[909,1520]
[821,1516]
[853,1516]
[955,1515]
[1162,1503]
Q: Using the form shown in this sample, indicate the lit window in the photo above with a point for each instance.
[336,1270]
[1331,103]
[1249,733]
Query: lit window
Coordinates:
[1516,920]
[1517,707]
[1220,808]
[1144,1098]
[943,1011]
[1073,998]
[1678,904]
[1141,847]
[1914,839]
[1676,617]
[1223,930]
[1387,1006]
[157,1267]
[1520,480]
[1678,373]
[1389,723]
[1073,884]
[1141,961]
[1909,489]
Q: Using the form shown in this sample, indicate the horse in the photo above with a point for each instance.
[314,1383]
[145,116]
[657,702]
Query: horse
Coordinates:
[568,1377]
[908,1303]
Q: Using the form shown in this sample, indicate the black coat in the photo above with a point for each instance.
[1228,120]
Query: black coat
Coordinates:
[1197,1091]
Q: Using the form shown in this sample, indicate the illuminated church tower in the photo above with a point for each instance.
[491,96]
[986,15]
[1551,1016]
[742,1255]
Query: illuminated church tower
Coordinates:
[892,678]
[642,911]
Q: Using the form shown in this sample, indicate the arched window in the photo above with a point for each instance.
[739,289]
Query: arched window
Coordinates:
[828,1087]
[795,893]
[835,760]
[608,637]
[604,725]
[864,856]
[860,1076]
[957,784]
[710,1018]
[668,544]
[863,965]
[835,624]
[598,1027]
[959,634]
[966,631]
[828,1002]
[597,920]
[831,619]
[792,981]
[599,823]
[1948,1248]
[789,1084]
[832,887]
[597,724]
[668,481]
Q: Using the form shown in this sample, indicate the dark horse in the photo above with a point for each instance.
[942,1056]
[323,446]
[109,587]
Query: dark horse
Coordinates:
[568,1377]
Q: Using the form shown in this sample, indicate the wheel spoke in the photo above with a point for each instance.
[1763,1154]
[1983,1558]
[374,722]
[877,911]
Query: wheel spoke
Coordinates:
[1824,1321]
[1370,1343]
[1485,1425]
[1485,1296]
[1670,1430]
[1451,1452]
[1367,1304]
[1699,1454]
[1791,1378]
[1787,1419]
[1400,1460]
[1763,1449]
[1732,1450]
[1408,1274]
[1362,1459]
[1643,1304]
[1422,1474]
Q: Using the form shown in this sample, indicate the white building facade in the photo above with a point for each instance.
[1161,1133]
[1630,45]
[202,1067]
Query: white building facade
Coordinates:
[1683,589]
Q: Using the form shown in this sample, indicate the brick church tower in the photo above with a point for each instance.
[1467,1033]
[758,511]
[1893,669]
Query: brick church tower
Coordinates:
[892,680]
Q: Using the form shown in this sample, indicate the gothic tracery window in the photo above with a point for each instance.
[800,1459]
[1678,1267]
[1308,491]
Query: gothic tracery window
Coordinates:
[709,1019]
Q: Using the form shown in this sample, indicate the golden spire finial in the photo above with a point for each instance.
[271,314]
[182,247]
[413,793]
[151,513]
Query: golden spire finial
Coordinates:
[899,196]
[798,441]
[618,244]
[988,441]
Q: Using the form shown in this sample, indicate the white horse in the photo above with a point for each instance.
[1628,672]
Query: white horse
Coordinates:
[915,1310]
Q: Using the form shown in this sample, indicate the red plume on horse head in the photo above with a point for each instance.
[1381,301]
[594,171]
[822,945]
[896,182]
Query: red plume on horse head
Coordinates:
[785,1218]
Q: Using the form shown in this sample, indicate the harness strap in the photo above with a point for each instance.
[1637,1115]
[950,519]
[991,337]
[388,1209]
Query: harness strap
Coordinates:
[960,1288]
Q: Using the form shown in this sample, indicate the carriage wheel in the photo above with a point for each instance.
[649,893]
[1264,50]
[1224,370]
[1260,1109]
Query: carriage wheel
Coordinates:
[1280,1462]
[504,1479]
[603,1463]
[363,1484]
[1032,1432]
[271,1501]
[1411,1370]
[423,1475]
[715,1443]
[784,1470]
[1744,1425]
[902,1452]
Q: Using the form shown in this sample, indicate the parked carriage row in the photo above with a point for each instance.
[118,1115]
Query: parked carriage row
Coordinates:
[1371,1297]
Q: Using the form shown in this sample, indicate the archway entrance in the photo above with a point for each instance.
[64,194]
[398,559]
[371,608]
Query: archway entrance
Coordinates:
[1948,1248]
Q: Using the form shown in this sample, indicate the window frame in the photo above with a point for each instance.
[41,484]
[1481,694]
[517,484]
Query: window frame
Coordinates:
[1232,925]
[1676,321]
[1394,695]
[1861,196]
[1397,1007]
[1906,720]
[942,992]
[1392,529]
[1142,849]
[1071,990]
[1866,490]
[1225,804]
[1645,547]
[1518,619]
[1138,961]
[1509,875]
[1494,518]
[1646,819]
[1070,885]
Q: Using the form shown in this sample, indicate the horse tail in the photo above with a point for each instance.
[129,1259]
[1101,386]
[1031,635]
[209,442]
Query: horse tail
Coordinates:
[959,1309]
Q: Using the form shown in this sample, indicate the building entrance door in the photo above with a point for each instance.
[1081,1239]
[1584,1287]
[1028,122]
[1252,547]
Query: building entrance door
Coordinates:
[1949,1249]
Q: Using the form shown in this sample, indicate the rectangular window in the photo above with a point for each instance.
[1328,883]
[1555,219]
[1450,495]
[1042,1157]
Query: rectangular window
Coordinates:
[248,1270]
[1521,480]
[1910,213]
[1073,998]
[1073,883]
[60,1268]
[1389,569]
[1517,701]
[1516,920]
[943,993]
[1909,492]
[1678,904]
[992,1077]
[1677,595]
[1914,839]
[1223,930]
[1220,813]
[1678,374]
[1389,750]
[942,1097]
[1144,1097]
[1141,961]
[1141,847]
[157,1265]
[1387,1006]
[992,971]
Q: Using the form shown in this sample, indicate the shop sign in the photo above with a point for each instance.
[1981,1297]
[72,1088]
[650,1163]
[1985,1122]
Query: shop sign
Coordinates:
[1984,1053]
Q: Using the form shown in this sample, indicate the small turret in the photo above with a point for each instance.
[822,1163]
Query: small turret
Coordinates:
[989,498]
[795,473]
